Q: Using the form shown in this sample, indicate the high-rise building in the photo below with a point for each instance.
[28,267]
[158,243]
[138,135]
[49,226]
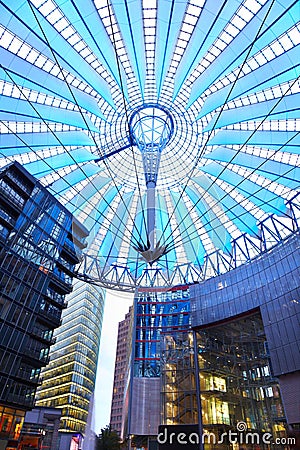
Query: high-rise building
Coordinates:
[158,313]
[247,339]
[69,378]
[40,243]
[121,365]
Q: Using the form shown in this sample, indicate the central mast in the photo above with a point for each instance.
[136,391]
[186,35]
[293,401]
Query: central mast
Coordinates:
[151,128]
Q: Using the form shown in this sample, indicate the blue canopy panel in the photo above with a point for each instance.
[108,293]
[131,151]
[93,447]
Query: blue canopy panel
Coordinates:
[169,18]
[109,251]
[135,263]
[287,107]
[210,24]
[14,109]
[139,230]
[276,72]
[43,167]
[96,217]
[46,84]
[266,200]
[11,144]
[285,141]
[212,224]
[73,180]
[282,173]
[240,217]
[130,21]
[194,248]
[86,194]
[163,229]
[92,30]
[41,33]
[240,47]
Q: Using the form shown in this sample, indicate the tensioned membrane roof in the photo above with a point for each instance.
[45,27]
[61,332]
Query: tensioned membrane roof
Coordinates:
[98,95]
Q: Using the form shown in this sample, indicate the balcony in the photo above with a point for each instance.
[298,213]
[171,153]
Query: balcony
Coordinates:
[66,265]
[48,315]
[62,280]
[36,354]
[7,218]
[40,335]
[11,197]
[18,182]
[72,250]
[57,298]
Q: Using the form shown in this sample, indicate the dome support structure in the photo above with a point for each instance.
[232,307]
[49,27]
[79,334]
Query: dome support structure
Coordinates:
[151,128]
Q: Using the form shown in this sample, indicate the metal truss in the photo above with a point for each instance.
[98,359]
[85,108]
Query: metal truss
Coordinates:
[272,231]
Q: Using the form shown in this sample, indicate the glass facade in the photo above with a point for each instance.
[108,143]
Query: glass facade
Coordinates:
[157,313]
[236,382]
[11,422]
[121,371]
[36,269]
[270,283]
[69,378]
[170,130]
[178,380]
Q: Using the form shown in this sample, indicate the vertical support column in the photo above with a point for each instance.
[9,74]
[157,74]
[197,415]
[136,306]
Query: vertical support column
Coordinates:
[198,390]
[151,213]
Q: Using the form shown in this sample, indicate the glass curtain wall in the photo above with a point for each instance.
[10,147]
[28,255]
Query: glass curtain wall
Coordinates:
[69,379]
[179,398]
[236,381]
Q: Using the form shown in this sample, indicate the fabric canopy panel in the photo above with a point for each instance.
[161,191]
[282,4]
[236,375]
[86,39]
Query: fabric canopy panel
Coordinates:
[169,128]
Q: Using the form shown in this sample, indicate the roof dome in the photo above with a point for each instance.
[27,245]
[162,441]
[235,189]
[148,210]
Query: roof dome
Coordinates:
[170,129]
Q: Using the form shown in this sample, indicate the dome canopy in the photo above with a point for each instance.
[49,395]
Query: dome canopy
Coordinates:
[169,128]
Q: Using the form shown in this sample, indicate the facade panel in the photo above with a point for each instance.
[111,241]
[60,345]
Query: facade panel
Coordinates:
[40,244]
[69,378]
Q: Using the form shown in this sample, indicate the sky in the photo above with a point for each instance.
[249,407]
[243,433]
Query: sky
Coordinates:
[116,306]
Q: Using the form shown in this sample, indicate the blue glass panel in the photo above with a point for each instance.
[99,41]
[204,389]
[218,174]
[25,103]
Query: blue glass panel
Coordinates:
[46,84]
[170,15]
[274,109]
[194,249]
[129,15]
[92,30]
[283,140]
[215,229]
[278,72]
[285,174]
[242,218]
[12,144]
[16,107]
[266,200]
[209,25]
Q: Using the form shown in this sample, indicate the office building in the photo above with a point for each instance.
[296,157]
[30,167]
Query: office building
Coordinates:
[120,372]
[247,338]
[69,378]
[40,244]
[158,314]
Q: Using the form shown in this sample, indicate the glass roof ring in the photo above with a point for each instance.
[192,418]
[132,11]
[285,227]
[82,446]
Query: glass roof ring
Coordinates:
[151,126]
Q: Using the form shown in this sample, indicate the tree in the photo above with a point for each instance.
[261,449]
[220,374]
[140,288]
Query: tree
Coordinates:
[108,439]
